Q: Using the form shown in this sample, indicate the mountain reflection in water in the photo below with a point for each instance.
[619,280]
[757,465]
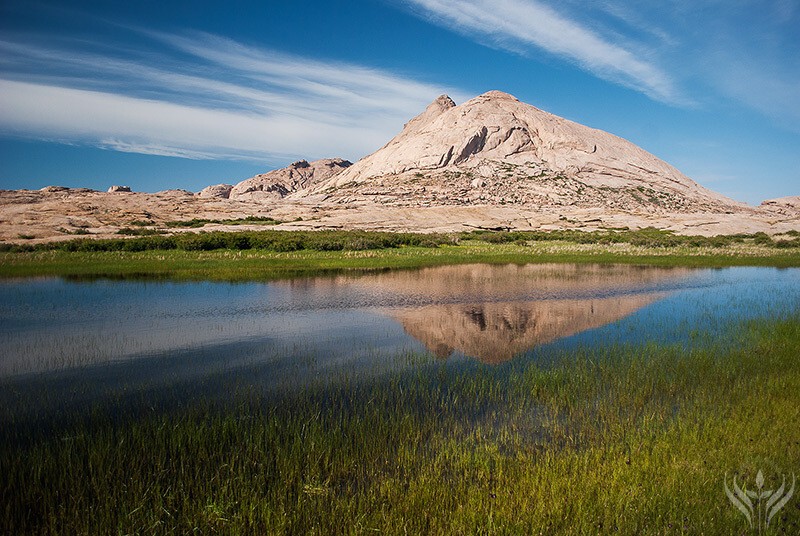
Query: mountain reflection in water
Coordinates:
[489,312]
[496,332]
[493,312]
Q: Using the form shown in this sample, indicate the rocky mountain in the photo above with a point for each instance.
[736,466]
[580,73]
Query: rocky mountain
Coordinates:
[496,150]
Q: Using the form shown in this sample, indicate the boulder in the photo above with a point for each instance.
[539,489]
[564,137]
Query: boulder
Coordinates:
[218,191]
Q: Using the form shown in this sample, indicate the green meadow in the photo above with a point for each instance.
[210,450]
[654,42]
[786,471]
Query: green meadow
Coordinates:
[264,255]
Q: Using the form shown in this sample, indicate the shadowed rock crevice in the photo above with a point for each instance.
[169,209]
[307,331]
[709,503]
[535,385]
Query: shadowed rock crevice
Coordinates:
[475,145]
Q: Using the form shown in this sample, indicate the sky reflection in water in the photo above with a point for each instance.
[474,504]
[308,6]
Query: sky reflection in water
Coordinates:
[319,325]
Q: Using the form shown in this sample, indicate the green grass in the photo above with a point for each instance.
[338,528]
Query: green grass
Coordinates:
[629,440]
[241,240]
[261,255]
[202,222]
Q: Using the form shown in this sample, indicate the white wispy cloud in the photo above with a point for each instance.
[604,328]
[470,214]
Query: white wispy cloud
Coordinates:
[202,96]
[636,22]
[708,54]
[753,58]
[520,25]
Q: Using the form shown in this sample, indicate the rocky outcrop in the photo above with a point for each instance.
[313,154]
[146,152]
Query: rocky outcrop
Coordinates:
[442,104]
[496,150]
[174,192]
[217,191]
[116,189]
[279,183]
[789,206]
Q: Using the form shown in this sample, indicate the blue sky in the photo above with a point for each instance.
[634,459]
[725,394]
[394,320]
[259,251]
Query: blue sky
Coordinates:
[179,94]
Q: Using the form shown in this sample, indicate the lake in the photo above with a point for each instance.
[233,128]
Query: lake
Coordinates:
[160,331]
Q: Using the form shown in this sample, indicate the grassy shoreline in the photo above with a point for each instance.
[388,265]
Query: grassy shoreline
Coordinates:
[262,264]
[630,440]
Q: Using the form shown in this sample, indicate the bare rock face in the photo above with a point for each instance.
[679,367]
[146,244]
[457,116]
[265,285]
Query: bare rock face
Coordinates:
[175,192]
[494,150]
[217,191]
[434,110]
[783,205]
[282,182]
[116,189]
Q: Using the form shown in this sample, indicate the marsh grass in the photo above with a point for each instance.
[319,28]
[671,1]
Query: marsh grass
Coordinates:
[271,254]
[202,222]
[146,239]
[292,260]
[625,439]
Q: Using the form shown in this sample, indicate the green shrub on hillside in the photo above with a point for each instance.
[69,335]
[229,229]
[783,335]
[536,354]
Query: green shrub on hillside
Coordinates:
[331,240]
[279,241]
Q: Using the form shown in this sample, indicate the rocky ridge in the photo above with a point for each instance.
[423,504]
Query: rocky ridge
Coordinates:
[279,183]
[783,205]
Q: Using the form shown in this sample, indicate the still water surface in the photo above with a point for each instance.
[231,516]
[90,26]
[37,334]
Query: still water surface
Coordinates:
[314,326]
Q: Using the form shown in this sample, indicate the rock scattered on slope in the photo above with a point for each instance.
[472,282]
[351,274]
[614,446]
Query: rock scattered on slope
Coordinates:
[783,205]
